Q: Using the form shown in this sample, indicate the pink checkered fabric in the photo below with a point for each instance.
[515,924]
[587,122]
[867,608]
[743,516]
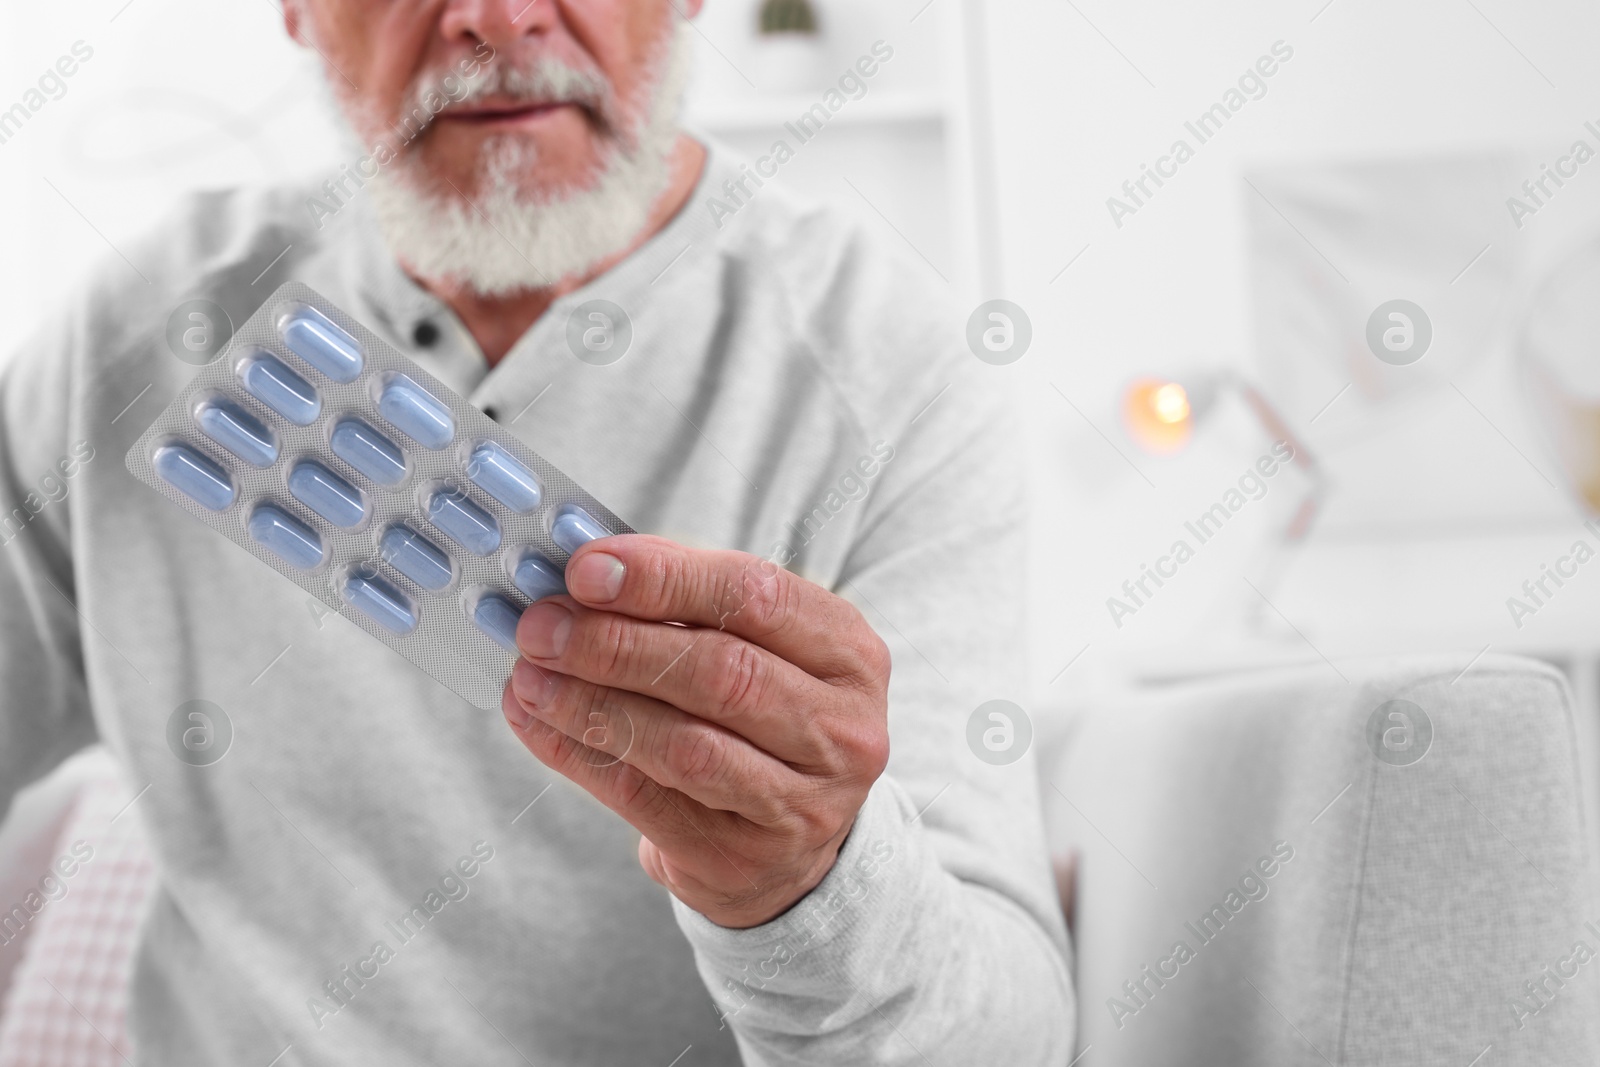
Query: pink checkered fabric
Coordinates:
[68,1002]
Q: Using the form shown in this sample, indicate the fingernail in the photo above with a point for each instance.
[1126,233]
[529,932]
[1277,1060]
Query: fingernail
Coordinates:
[516,714]
[596,577]
[544,630]
[532,686]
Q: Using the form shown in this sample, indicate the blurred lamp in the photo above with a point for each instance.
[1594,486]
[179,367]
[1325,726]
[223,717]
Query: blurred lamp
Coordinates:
[1161,415]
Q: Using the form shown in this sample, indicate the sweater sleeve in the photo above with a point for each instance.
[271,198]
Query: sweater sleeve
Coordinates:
[936,937]
[44,716]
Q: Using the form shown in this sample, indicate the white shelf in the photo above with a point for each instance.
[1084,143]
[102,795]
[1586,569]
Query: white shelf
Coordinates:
[759,113]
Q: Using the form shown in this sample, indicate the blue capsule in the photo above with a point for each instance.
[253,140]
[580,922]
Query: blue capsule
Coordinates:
[195,476]
[327,494]
[575,528]
[498,617]
[538,578]
[464,522]
[416,557]
[286,537]
[313,337]
[382,603]
[269,380]
[502,476]
[369,452]
[240,432]
[416,413]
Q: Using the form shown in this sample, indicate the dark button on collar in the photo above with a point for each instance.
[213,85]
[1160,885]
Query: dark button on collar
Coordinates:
[425,334]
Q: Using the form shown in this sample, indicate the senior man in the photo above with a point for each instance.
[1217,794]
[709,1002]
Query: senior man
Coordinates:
[378,873]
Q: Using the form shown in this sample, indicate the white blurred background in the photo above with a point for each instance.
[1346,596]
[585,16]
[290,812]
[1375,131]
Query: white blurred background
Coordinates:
[1376,166]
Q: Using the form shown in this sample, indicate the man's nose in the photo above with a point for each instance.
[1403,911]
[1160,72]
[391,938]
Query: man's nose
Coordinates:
[499,22]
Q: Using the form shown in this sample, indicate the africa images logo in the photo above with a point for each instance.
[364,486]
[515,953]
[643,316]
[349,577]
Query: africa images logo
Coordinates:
[999,732]
[1399,332]
[1399,733]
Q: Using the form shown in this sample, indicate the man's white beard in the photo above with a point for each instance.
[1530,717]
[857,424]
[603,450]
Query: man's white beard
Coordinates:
[508,239]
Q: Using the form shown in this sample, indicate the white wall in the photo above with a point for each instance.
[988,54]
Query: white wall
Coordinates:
[1368,78]
[179,95]
[1085,94]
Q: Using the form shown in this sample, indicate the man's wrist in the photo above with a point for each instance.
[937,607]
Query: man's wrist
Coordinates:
[871,847]
[767,908]
[867,899]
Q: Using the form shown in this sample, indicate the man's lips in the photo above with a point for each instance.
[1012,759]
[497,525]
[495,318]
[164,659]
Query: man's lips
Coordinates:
[508,114]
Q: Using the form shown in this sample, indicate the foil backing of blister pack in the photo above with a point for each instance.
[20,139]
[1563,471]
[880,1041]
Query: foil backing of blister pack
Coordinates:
[446,642]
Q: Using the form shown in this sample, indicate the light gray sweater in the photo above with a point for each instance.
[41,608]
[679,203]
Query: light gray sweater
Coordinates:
[315,888]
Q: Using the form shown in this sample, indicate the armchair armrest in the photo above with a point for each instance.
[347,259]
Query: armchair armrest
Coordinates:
[1289,868]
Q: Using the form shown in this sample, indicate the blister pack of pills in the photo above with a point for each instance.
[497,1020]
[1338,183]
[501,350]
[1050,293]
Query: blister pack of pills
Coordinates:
[354,473]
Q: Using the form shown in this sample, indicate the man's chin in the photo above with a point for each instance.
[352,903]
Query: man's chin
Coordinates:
[509,229]
[539,176]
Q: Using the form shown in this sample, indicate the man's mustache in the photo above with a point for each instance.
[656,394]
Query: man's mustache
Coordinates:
[541,83]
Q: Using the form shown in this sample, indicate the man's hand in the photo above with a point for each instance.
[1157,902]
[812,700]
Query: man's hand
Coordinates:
[740,743]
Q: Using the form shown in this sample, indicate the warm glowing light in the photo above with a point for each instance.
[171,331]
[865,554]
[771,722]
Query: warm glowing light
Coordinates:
[1158,415]
[1170,403]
